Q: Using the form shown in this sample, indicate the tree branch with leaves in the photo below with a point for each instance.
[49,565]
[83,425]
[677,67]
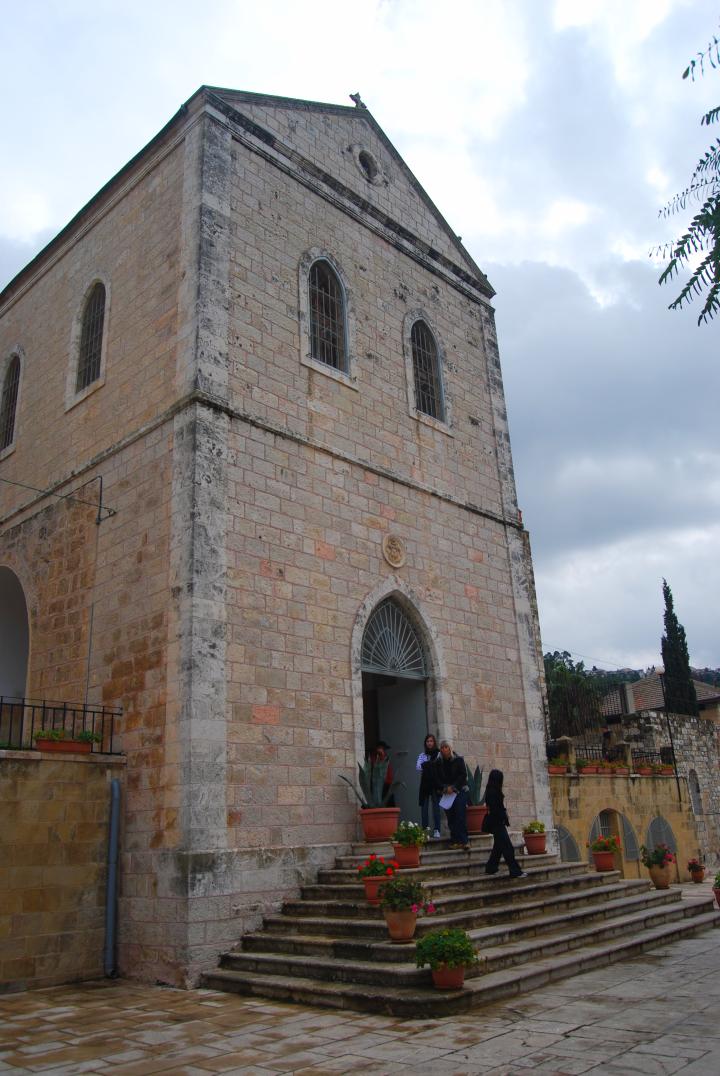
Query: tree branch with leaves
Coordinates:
[702,238]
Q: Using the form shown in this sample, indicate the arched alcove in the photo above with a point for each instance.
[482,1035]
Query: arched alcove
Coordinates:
[14,636]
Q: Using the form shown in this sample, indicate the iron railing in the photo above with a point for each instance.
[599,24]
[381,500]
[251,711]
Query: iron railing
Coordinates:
[21,720]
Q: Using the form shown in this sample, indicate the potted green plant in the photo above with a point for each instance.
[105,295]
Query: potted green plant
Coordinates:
[557,765]
[584,765]
[535,837]
[658,861]
[407,840]
[603,852]
[402,901]
[643,769]
[60,740]
[476,809]
[716,888]
[373,792]
[374,871]
[449,952]
[697,870]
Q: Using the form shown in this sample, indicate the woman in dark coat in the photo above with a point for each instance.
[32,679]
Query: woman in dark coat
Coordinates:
[427,792]
[496,822]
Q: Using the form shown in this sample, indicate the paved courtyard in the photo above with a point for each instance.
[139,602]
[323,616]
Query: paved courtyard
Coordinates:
[654,1014]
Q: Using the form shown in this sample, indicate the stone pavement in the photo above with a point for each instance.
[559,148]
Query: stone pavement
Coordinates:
[656,1013]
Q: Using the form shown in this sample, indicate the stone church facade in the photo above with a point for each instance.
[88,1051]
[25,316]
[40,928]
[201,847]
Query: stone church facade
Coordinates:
[262,349]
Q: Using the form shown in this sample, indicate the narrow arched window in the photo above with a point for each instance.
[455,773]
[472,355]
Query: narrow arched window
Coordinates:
[426,372]
[8,404]
[91,334]
[327,316]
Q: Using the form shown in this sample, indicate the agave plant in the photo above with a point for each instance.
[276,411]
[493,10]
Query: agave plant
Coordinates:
[474,781]
[372,791]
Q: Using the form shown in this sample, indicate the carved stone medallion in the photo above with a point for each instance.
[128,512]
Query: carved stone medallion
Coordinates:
[393,550]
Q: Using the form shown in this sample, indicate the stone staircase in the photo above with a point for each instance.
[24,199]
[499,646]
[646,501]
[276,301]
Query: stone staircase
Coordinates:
[331,948]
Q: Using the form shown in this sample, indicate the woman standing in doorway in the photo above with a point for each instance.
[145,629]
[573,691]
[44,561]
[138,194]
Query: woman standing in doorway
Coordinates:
[427,793]
[496,822]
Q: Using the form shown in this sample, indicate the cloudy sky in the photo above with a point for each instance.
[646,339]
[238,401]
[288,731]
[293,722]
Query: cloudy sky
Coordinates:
[548,132]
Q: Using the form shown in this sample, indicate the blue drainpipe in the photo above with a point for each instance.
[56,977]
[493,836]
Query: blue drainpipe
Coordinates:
[111,886]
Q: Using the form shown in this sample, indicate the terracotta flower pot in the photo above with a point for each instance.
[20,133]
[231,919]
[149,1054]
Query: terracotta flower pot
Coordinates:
[407,855]
[474,816]
[445,978]
[622,771]
[698,876]
[604,861]
[535,843]
[379,823]
[660,876]
[643,771]
[401,925]
[556,769]
[588,769]
[372,885]
[75,747]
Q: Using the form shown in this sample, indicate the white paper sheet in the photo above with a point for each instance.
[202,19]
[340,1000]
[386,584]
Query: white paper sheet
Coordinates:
[447,800]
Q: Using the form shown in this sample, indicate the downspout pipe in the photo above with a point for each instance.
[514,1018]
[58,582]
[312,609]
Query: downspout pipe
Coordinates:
[111,885]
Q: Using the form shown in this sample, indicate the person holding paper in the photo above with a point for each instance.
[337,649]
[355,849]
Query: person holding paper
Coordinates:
[450,780]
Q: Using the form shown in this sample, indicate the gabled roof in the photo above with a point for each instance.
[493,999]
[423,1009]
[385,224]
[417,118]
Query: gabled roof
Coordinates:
[648,693]
[240,100]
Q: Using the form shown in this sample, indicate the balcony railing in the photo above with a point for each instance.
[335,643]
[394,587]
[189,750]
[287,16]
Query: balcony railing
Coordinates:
[22,720]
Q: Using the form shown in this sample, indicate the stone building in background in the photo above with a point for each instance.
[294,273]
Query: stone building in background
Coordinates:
[261,349]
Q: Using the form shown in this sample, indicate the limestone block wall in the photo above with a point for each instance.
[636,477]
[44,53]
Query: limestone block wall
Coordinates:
[697,748]
[578,799]
[131,241]
[53,861]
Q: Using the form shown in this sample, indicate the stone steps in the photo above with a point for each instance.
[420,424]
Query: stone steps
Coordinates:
[608,902]
[422,1001]
[344,901]
[368,922]
[441,879]
[330,947]
[496,951]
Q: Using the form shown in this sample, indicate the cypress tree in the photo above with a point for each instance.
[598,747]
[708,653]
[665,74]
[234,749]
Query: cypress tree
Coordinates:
[680,695]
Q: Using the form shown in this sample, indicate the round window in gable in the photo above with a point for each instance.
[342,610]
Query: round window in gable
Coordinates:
[369,165]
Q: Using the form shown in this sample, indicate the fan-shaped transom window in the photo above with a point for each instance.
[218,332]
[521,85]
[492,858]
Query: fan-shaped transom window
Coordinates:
[659,832]
[391,645]
[91,334]
[426,372]
[8,402]
[327,316]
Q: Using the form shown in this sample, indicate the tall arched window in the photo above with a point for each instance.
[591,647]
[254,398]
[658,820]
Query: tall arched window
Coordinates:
[8,402]
[659,832]
[695,797]
[426,372]
[327,316]
[91,335]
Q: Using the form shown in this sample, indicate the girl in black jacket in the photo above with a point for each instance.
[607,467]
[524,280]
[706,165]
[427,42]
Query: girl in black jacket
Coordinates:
[496,822]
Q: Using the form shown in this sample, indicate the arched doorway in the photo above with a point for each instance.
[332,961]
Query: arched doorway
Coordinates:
[394,693]
[14,636]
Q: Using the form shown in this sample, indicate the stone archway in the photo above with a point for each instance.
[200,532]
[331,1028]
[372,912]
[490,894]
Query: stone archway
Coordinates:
[14,636]
[396,687]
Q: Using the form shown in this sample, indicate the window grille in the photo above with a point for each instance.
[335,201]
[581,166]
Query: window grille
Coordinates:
[327,317]
[695,797]
[569,851]
[391,645]
[659,832]
[91,338]
[8,404]
[428,390]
